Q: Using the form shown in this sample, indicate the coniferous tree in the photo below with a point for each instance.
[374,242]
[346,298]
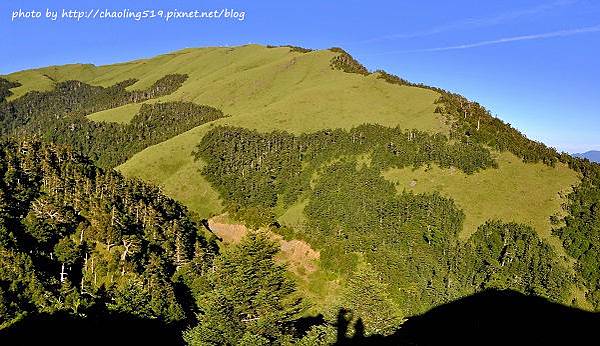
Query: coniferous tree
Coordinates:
[251,296]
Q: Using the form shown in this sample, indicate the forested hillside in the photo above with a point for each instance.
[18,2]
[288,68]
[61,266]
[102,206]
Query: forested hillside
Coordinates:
[59,116]
[77,239]
[295,144]
[73,236]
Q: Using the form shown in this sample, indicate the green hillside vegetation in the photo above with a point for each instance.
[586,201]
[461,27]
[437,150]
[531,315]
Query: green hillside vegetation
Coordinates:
[412,195]
[256,172]
[505,193]
[171,166]
[59,116]
[73,236]
[93,238]
[581,232]
[79,240]
[404,236]
[258,87]
[5,88]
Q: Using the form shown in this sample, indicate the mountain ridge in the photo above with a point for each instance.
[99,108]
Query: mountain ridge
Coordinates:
[169,164]
[592,155]
[380,176]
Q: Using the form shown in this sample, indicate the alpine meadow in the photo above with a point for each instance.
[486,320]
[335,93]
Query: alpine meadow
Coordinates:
[278,195]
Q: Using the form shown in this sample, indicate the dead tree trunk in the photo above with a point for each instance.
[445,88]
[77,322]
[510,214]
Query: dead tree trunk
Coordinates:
[63,274]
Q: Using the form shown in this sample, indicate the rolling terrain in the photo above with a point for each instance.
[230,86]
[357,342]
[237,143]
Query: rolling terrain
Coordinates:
[261,88]
[385,197]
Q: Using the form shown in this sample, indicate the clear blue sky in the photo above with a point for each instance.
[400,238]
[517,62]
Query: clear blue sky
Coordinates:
[536,64]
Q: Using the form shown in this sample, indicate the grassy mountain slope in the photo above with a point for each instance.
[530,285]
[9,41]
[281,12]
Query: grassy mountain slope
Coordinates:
[415,208]
[170,165]
[264,88]
[282,89]
[506,193]
[259,87]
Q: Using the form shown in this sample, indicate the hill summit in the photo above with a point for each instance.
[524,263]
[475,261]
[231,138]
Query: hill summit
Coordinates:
[384,198]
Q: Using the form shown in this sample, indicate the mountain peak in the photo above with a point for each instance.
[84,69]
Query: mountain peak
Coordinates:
[592,155]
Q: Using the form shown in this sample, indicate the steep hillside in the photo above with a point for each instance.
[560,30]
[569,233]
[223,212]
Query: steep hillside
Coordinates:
[403,196]
[505,193]
[307,95]
[262,88]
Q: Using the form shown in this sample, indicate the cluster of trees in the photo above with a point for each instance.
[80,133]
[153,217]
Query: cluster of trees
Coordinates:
[472,123]
[293,48]
[345,62]
[247,299]
[74,99]
[59,116]
[498,257]
[412,240]
[255,171]
[358,205]
[580,232]
[72,236]
[406,237]
[511,256]
[5,86]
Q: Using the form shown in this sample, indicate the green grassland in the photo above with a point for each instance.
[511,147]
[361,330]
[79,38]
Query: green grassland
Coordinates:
[519,192]
[261,88]
[276,88]
[258,87]
[171,166]
[122,114]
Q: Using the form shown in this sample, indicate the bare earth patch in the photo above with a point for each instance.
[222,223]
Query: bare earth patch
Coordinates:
[230,233]
[298,255]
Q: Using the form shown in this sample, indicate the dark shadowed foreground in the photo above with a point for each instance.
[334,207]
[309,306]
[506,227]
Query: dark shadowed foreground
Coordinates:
[101,329]
[488,318]
[491,317]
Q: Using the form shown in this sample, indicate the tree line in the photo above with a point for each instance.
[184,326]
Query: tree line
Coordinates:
[579,230]
[59,116]
[255,171]
[5,86]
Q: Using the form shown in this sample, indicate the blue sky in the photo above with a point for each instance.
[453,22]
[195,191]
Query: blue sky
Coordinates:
[534,64]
